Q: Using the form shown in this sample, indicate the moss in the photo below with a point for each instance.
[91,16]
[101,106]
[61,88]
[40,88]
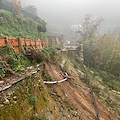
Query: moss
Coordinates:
[21,109]
[41,117]
[30,100]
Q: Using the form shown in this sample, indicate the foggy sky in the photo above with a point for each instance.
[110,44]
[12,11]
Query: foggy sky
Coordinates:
[64,13]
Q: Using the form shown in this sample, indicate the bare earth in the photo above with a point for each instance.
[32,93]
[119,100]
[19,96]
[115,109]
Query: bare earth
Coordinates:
[78,94]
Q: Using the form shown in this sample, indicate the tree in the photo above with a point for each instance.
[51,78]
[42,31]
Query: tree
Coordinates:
[89,26]
[0,4]
[41,25]
[16,5]
[32,9]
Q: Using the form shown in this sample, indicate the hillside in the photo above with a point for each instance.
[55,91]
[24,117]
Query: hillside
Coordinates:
[32,99]
[48,81]
[19,26]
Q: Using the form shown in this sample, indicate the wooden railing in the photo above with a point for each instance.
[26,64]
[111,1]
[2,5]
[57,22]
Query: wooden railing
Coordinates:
[17,43]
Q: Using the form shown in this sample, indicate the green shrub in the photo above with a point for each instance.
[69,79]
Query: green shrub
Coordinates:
[50,52]
[32,101]
[15,61]
[104,75]
[3,71]
[41,117]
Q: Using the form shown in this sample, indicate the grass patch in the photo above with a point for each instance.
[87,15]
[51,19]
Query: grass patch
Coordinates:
[32,101]
[41,117]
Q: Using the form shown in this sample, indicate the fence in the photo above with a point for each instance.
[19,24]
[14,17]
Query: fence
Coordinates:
[27,43]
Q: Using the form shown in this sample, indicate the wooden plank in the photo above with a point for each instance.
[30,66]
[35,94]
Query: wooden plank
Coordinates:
[16,49]
[15,42]
[23,41]
[28,42]
[2,42]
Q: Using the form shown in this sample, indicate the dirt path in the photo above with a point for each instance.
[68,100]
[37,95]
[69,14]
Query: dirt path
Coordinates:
[79,94]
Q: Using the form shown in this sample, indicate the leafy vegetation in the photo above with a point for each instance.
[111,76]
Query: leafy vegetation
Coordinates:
[103,53]
[32,101]
[50,52]
[106,87]
[89,26]
[28,101]
[100,52]
[14,26]
[41,117]
[11,63]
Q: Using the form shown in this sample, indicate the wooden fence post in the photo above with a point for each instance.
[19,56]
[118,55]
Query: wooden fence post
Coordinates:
[21,46]
[10,46]
[36,45]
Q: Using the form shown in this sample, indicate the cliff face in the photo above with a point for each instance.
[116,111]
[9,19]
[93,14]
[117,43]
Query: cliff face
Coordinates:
[69,100]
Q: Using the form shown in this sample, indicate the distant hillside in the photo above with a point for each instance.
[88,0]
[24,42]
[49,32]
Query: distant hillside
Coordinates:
[15,26]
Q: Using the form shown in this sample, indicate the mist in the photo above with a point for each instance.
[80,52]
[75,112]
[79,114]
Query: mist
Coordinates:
[61,14]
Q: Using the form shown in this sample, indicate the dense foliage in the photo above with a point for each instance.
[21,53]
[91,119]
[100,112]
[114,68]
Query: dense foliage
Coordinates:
[14,26]
[11,63]
[103,53]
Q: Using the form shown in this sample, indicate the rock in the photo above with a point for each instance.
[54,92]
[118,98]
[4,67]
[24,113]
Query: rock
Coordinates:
[98,78]
[116,92]
[54,93]
[1,17]
[15,98]
[10,93]
[29,68]
[63,50]
[66,95]
[84,66]
[37,65]
[92,72]
[62,64]
[49,116]
[6,102]
[1,82]
[55,108]
[102,87]
[68,116]
[14,102]
[81,72]
[1,105]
